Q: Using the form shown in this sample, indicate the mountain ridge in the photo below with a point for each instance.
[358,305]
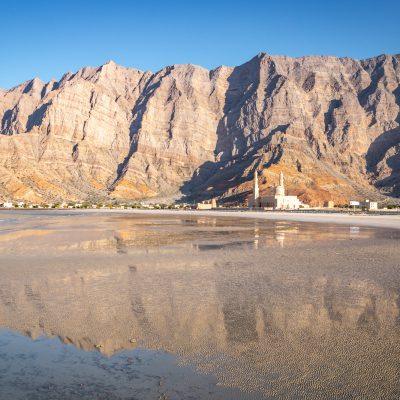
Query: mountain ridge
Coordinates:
[261,53]
[331,124]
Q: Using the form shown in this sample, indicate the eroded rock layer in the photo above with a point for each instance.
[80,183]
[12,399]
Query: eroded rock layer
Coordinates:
[331,124]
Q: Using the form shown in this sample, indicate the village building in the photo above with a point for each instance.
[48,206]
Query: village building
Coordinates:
[369,205]
[365,205]
[207,205]
[329,204]
[278,201]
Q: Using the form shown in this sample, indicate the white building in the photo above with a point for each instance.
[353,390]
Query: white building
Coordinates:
[278,201]
[369,205]
[207,205]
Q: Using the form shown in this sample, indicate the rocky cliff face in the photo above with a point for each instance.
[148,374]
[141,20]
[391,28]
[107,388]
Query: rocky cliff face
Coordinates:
[330,124]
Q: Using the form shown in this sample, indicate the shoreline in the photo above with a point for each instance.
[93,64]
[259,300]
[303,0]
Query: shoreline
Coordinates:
[377,221]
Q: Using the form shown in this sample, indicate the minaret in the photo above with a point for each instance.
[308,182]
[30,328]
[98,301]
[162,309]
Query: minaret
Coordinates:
[280,189]
[256,191]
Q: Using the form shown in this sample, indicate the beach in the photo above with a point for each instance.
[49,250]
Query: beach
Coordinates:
[241,307]
[373,219]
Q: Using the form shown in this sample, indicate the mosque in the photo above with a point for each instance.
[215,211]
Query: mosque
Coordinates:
[279,201]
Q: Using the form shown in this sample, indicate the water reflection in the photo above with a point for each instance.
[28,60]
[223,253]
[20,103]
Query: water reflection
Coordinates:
[137,233]
[46,369]
[310,314]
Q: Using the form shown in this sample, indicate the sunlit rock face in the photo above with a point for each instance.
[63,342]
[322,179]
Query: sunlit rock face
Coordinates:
[331,124]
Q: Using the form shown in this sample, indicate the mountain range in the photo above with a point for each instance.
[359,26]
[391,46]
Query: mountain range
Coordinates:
[332,125]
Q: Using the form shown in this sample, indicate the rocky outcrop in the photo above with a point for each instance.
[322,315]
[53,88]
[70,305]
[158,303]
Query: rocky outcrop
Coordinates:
[331,124]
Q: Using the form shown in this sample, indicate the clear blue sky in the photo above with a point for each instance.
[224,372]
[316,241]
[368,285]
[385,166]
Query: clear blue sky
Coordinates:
[47,38]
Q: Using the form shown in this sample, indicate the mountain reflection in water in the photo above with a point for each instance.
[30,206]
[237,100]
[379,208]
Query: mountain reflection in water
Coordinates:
[289,310]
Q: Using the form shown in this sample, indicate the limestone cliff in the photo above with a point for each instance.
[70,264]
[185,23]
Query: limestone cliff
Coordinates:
[331,124]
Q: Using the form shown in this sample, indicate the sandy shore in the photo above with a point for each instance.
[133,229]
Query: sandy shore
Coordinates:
[382,221]
[274,310]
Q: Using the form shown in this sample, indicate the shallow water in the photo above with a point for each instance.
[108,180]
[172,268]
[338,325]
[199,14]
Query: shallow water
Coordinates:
[48,369]
[212,307]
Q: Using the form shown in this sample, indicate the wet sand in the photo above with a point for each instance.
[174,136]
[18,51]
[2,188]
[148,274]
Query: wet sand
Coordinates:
[272,309]
[391,221]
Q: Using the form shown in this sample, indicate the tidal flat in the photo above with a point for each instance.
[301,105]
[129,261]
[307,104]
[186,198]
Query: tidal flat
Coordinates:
[146,306]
